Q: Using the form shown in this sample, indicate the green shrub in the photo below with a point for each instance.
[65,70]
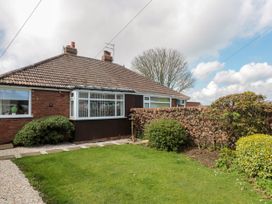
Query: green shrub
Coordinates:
[226,158]
[165,134]
[254,155]
[242,114]
[48,130]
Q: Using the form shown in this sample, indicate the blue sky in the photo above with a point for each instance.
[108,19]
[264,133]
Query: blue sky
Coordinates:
[239,52]
[207,32]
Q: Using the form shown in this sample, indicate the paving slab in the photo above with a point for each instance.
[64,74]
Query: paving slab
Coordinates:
[49,151]
[30,154]
[43,152]
[91,145]
[73,148]
[6,157]
[100,145]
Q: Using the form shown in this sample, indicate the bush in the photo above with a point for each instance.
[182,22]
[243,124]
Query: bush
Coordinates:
[48,130]
[254,155]
[165,134]
[226,158]
[242,114]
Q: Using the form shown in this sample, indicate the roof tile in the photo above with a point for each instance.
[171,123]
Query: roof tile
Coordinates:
[66,71]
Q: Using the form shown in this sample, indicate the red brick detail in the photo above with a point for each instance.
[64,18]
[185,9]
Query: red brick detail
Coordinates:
[44,103]
[193,104]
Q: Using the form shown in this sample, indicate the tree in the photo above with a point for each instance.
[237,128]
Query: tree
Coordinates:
[165,66]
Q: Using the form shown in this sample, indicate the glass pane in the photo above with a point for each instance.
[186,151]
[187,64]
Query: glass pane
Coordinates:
[146,98]
[14,95]
[157,99]
[120,97]
[82,108]
[72,108]
[83,95]
[72,95]
[120,108]
[102,108]
[14,107]
[102,96]
[146,105]
[180,102]
[159,105]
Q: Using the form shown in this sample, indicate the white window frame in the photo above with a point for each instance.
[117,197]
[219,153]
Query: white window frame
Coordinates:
[76,99]
[29,115]
[182,104]
[149,101]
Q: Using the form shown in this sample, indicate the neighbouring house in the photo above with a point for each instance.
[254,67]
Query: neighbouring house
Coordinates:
[193,104]
[96,95]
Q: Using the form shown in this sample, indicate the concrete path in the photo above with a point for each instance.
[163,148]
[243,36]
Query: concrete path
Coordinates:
[19,152]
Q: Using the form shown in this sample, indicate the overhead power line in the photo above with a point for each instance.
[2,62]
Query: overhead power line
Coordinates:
[246,45]
[20,29]
[124,27]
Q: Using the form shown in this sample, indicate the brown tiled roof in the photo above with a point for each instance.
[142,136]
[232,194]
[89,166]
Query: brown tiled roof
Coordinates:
[68,71]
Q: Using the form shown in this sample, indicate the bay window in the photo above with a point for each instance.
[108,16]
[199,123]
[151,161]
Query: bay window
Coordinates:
[156,102]
[15,103]
[95,105]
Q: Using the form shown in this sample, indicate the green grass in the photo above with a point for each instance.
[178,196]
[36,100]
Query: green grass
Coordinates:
[131,174]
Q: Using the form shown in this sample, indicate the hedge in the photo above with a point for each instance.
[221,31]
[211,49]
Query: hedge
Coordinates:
[203,131]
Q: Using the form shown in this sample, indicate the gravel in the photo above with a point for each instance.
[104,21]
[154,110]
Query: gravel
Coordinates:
[14,187]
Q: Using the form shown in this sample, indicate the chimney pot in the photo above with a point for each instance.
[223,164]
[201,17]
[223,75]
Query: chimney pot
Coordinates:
[107,56]
[73,44]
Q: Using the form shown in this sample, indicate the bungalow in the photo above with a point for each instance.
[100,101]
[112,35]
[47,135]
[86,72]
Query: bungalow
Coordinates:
[96,95]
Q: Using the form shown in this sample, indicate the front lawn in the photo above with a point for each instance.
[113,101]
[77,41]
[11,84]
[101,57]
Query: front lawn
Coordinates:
[131,174]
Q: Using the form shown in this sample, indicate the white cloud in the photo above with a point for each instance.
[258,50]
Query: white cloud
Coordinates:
[255,77]
[248,73]
[203,70]
[196,28]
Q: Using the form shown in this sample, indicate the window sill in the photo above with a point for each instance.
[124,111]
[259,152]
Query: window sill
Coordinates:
[99,118]
[15,116]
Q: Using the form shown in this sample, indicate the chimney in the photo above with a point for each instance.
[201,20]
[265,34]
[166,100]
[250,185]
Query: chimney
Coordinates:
[70,49]
[107,56]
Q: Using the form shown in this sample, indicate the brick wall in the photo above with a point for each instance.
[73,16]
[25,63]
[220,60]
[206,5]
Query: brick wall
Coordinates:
[44,103]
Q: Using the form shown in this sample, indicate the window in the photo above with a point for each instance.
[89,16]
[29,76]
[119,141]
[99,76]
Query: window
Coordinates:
[156,102]
[72,105]
[14,103]
[181,102]
[91,105]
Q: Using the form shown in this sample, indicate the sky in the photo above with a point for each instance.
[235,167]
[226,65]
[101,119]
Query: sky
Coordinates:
[227,43]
